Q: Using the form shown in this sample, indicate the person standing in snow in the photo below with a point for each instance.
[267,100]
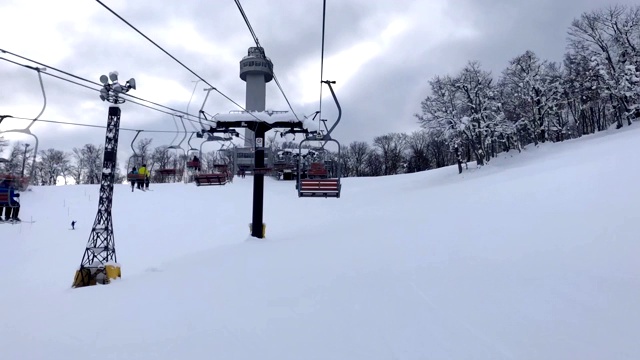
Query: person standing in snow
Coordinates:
[147,180]
[142,171]
[133,172]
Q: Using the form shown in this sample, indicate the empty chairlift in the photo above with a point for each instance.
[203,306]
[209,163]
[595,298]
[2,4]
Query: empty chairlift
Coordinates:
[319,181]
[175,171]
[221,173]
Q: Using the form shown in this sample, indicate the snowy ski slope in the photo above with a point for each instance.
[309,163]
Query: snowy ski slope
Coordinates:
[532,257]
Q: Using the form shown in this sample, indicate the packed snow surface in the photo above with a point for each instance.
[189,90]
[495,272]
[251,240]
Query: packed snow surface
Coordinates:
[534,256]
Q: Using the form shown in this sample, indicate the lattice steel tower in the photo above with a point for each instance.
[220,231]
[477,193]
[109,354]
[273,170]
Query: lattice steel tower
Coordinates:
[99,263]
[256,70]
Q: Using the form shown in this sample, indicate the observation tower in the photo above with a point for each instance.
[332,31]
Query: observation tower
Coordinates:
[256,70]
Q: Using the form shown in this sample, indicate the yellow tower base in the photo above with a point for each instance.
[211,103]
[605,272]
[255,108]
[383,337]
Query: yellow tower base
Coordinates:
[89,276]
[264,230]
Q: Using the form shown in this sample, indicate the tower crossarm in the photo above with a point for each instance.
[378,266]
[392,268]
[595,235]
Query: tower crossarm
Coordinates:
[294,131]
[291,125]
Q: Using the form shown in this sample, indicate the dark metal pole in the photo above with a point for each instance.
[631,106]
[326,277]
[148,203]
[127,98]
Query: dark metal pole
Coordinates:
[100,250]
[258,183]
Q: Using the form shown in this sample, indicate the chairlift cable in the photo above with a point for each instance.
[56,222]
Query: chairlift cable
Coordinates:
[324,15]
[246,20]
[285,96]
[98,90]
[255,39]
[87,125]
[189,103]
[79,78]
[131,101]
[176,60]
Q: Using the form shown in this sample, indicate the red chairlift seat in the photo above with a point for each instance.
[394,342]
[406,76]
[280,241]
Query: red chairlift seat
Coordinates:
[319,188]
[135,177]
[262,171]
[211,179]
[4,198]
[193,164]
[168,171]
[279,167]
[220,176]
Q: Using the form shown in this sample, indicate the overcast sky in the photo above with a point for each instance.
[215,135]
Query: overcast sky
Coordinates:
[380,53]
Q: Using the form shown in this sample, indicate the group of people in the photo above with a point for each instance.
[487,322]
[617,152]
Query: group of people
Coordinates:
[143,183]
[10,207]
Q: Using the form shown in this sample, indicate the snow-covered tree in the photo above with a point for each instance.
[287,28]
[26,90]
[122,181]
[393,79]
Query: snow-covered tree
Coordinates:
[609,40]
[53,163]
[532,97]
[87,164]
[465,112]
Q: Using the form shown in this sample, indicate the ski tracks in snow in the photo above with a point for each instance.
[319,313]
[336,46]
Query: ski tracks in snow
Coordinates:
[449,318]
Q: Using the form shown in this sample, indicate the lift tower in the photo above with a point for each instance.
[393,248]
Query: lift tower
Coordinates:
[99,264]
[256,70]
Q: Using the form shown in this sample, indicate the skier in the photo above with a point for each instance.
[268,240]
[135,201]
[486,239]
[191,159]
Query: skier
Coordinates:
[142,182]
[73,225]
[133,172]
[12,206]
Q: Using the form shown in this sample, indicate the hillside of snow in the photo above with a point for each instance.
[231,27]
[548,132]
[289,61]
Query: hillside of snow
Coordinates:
[534,256]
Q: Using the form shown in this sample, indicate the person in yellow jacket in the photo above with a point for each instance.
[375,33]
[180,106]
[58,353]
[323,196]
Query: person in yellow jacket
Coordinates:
[143,171]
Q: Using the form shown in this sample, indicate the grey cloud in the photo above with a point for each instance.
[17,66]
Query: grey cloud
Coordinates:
[381,97]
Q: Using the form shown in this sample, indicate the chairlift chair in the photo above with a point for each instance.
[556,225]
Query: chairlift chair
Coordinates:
[228,161]
[22,182]
[200,179]
[175,170]
[220,175]
[319,182]
[134,160]
[284,166]
[193,166]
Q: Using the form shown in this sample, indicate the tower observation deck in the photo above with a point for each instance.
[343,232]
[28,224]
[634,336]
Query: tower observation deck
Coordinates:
[256,70]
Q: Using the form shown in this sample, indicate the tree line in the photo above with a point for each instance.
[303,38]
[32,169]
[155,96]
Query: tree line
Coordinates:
[468,116]
[84,165]
[473,116]
[535,100]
